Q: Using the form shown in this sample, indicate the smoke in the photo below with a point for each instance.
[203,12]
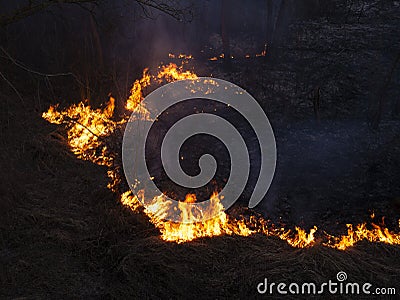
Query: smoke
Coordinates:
[122,34]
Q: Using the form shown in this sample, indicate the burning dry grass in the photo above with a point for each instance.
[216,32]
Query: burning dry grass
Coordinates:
[88,130]
[66,236]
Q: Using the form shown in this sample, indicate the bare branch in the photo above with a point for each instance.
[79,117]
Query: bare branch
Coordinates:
[170,7]
[13,87]
[32,8]
[25,68]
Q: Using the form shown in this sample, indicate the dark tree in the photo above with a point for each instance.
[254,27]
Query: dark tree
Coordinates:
[225,8]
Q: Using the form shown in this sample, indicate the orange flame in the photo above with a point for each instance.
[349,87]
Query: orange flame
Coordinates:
[137,91]
[181,56]
[87,129]
[172,72]
[247,55]
[377,234]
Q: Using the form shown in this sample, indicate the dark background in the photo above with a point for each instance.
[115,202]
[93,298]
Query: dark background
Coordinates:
[329,83]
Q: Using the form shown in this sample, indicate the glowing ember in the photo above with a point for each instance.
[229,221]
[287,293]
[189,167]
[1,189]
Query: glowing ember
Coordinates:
[88,130]
[180,56]
[263,53]
[247,55]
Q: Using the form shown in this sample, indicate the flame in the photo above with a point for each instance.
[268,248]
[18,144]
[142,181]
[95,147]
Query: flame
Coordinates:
[181,56]
[377,234]
[246,56]
[86,129]
[190,198]
[87,133]
[169,73]
[302,239]
[223,224]
[137,91]
[263,53]
[172,72]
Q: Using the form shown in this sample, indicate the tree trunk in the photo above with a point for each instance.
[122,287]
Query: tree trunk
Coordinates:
[225,32]
[269,22]
[375,114]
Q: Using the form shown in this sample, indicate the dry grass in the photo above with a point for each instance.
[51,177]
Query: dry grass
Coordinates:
[63,234]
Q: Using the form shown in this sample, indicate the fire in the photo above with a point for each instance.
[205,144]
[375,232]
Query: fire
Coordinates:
[223,224]
[137,91]
[182,232]
[263,53]
[86,128]
[87,133]
[246,56]
[172,72]
[302,239]
[189,230]
[190,198]
[377,234]
[180,56]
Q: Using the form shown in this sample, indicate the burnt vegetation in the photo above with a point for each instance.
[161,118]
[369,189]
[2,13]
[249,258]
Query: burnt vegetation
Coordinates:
[327,73]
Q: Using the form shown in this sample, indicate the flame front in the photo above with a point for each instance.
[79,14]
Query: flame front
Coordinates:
[88,130]
[377,234]
[137,91]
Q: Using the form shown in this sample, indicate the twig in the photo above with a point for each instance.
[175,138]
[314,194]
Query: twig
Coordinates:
[45,75]
[167,8]
[13,87]
[22,66]
[84,126]
[32,8]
